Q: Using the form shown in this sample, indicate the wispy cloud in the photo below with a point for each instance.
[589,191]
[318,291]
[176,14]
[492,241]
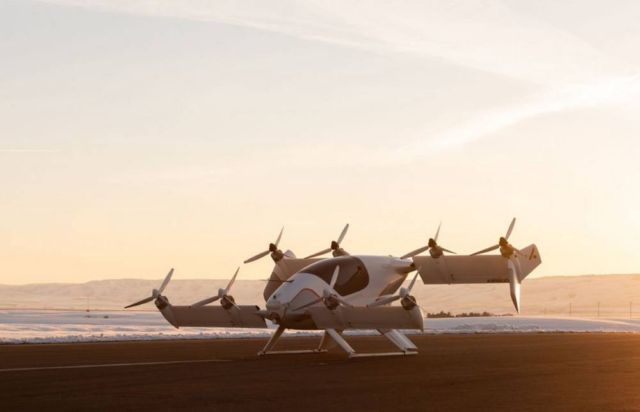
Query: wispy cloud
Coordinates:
[602,93]
[489,36]
[486,35]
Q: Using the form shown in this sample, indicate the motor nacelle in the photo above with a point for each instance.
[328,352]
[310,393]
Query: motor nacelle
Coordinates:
[161,302]
[227,302]
[408,302]
[331,302]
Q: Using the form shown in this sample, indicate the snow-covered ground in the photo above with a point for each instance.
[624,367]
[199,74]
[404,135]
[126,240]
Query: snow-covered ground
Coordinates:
[22,326]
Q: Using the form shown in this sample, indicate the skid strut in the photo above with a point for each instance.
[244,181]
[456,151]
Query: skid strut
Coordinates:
[401,341]
[276,336]
[332,337]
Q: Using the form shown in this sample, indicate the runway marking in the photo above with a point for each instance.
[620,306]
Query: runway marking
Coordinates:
[110,365]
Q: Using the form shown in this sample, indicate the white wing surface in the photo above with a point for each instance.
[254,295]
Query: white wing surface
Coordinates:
[242,316]
[476,269]
[388,317]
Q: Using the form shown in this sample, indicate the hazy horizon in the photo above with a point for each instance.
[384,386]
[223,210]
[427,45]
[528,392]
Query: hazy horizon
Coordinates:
[259,278]
[569,295]
[141,135]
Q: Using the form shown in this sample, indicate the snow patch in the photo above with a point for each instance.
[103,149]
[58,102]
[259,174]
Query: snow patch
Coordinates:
[33,326]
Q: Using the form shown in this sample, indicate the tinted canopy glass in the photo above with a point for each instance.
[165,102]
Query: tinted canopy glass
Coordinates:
[353,275]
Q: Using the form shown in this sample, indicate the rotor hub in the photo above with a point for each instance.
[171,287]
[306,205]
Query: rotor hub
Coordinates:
[331,302]
[227,302]
[408,302]
[161,302]
[277,255]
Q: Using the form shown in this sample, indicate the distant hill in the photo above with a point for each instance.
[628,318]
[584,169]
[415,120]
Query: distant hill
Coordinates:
[548,295]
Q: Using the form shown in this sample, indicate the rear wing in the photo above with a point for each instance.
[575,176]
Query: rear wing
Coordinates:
[480,269]
[450,269]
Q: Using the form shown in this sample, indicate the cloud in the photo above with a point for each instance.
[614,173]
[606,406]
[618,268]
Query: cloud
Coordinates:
[604,92]
[488,35]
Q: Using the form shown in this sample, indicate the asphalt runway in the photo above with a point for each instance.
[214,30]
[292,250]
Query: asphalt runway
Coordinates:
[514,372]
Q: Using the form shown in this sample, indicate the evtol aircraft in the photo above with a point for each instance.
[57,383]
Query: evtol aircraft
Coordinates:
[346,292]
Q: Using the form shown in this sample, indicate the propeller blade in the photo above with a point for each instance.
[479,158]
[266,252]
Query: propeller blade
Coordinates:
[166,280]
[322,252]
[233,279]
[334,277]
[342,301]
[513,222]
[206,301]
[306,305]
[413,281]
[414,252]
[384,301]
[447,250]
[489,249]
[279,237]
[343,234]
[256,257]
[437,232]
[145,300]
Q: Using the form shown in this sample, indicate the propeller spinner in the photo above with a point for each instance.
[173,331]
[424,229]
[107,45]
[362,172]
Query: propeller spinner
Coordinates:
[156,294]
[335,246]
[432,246]
[276,254]
[227,301]
[506,249]
[407,301]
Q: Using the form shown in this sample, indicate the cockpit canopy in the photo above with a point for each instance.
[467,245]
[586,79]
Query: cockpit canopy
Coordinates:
[353,276]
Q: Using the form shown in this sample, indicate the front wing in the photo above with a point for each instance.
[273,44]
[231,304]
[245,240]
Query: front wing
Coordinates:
[363,317]
[243,316]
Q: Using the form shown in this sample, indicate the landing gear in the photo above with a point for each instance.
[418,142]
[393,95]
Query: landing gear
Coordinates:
[332,337]
[276,336]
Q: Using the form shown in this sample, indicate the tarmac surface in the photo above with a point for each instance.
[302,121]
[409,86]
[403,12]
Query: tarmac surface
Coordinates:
[515,372]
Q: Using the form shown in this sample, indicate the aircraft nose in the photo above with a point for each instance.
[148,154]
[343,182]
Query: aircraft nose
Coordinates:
[273,304]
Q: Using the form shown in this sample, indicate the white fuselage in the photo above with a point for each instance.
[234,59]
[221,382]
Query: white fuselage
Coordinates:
[360,281]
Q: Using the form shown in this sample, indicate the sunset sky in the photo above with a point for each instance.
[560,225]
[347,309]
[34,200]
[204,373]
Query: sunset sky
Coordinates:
[139,135]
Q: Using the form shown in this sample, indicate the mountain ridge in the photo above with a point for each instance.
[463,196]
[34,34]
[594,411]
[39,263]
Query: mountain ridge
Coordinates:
[571,295]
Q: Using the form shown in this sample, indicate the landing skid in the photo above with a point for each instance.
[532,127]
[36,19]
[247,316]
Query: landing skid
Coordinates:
[276,336]
[332,337]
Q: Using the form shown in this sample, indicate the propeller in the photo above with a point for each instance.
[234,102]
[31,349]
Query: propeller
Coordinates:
[276,254]
[506,249]
[226,300]
[432,246]
[155,293]
[408,302]
[330,297]
[335,246]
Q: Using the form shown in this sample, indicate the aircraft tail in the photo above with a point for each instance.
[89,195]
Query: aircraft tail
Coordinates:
[519,268]
[528,259]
